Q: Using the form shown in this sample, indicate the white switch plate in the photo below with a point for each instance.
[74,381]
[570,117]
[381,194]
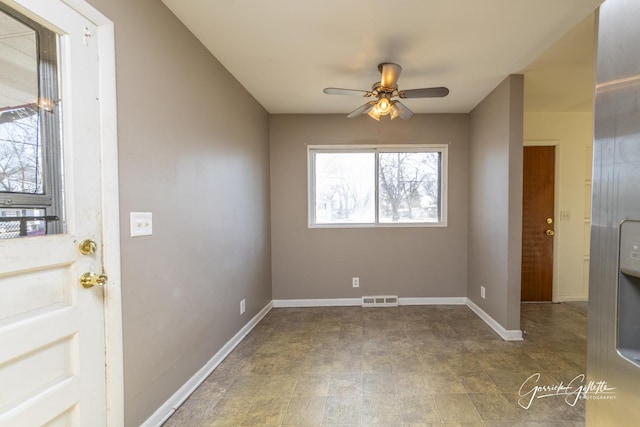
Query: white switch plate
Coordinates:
[141,224]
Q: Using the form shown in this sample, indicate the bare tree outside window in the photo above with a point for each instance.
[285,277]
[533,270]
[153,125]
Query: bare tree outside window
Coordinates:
[20,151]
[409,186]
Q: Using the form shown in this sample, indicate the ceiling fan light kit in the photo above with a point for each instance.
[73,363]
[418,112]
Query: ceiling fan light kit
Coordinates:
[384,91]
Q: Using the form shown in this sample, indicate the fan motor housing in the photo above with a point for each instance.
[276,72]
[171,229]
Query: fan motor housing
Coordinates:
[378,88]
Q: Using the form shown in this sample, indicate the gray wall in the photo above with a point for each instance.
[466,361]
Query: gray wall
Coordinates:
[495,202]
[409,262]
[201,167]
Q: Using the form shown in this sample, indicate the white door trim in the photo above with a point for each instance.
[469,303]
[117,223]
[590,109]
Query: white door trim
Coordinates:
[110,211]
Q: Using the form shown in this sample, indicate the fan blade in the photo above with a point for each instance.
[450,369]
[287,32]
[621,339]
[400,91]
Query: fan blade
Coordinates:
[390,73]
[339,91]
[403,111]
[427,92]
[363,109]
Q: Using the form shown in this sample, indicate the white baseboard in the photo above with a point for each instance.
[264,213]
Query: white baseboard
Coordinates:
[329,302]
[170,406]
[433,301]
[583,298]
[507,335]
[345,302]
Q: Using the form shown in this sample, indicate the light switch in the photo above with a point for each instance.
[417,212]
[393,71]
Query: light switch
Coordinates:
[141,224]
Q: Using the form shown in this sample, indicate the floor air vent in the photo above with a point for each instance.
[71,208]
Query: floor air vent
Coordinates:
[380,301]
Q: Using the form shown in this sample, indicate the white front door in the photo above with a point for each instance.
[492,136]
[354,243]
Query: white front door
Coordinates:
[52,330]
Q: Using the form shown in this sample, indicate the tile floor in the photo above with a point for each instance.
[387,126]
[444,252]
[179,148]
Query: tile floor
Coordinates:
[403,366]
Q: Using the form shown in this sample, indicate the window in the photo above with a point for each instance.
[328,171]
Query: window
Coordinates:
[384,185]
[30,177]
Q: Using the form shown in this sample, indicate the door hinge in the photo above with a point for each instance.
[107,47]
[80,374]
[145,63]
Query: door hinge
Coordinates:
[87,34]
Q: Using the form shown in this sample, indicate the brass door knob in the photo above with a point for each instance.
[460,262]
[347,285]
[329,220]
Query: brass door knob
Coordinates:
[550,233]
[88,280]
[87,247]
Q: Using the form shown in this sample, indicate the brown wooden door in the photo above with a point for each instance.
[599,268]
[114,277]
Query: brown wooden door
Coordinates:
[538,223]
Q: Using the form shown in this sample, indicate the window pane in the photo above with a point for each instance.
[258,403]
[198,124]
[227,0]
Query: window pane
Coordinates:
[409,186]
[20,153]
[20,148]
[344,188]
[22,222]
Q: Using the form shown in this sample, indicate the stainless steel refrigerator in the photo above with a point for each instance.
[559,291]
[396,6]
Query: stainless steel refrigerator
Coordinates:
[613,343]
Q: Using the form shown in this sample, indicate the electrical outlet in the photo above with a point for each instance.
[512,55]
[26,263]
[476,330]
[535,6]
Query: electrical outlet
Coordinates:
[355,282]
[141,224]
[482,291]
[242,307]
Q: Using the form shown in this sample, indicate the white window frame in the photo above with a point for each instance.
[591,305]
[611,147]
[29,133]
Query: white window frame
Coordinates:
[377,148]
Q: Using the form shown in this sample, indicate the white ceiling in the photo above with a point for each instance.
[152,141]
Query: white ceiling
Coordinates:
[284,52]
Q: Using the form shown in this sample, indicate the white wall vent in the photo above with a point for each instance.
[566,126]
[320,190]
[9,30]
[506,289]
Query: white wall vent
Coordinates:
[380,301]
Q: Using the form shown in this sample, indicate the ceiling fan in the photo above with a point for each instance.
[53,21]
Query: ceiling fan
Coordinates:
[384,91]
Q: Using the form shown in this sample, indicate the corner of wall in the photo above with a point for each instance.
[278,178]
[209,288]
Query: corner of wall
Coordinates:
[495,203]
[516,151]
